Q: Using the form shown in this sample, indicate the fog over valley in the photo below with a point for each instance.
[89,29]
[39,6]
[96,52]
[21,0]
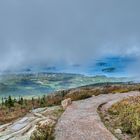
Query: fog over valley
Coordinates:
[63,34]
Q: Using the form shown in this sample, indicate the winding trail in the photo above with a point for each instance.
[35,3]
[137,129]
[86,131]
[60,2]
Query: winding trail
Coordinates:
[81,121]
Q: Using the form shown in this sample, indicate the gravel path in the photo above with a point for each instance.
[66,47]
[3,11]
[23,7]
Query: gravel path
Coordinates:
[81,121]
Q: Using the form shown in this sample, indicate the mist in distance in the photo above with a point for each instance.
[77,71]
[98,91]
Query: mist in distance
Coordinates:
[69,34]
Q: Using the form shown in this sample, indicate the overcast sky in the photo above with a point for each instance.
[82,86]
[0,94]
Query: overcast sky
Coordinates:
[67,31]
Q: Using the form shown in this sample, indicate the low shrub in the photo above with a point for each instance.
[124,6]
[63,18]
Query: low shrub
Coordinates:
[126,115]
[44,133]
[79,95]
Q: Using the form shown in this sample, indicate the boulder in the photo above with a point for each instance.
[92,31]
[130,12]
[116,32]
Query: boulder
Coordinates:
[65,103]
[118,131]
[48,122]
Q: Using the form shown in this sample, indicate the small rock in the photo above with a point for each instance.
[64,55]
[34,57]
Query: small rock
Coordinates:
[47,122]
[118,131]
[65,103]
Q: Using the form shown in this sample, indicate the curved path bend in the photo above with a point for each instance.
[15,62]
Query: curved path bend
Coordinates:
[81,121]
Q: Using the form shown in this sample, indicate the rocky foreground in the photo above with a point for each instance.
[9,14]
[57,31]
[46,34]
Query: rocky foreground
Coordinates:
[22,129]
[80,121]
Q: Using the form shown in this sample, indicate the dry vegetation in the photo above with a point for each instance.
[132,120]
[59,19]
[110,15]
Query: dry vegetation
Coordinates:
[11,108]
[45,129]
[126,116]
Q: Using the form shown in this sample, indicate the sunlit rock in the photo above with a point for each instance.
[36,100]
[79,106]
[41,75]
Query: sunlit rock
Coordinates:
[65,103]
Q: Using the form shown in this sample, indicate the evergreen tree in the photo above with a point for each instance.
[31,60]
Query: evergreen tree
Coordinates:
[10,102]
[6,102]
[21,101]
[15,100]
[33,102]
[2,101]
[25,102]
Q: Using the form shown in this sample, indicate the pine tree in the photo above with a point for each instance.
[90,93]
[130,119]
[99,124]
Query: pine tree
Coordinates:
[33,102]
[10,102]
[2,101]
[21,101]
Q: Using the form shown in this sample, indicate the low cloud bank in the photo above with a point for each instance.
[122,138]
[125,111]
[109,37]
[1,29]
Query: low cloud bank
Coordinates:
[68,32]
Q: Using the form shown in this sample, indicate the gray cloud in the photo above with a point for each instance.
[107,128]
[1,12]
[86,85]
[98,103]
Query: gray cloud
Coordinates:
[70,32]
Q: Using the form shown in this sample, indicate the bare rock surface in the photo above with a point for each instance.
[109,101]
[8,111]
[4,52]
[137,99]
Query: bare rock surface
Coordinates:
[118,131]
[81,121]
[65,103]
[23,128]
